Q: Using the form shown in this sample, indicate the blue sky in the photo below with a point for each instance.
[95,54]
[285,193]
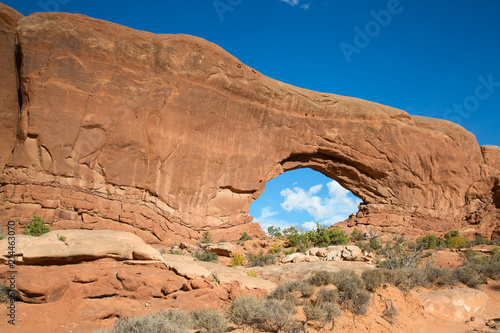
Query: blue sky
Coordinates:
[436,59]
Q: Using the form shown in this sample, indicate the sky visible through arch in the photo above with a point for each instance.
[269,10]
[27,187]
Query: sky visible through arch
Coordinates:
[301,198]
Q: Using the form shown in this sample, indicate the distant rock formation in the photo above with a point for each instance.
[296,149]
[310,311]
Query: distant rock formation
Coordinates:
[166,136]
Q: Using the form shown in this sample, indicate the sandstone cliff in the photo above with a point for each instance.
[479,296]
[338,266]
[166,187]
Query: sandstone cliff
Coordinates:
[105,127]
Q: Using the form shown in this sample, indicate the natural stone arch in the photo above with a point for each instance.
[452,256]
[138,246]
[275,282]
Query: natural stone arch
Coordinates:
[169,135]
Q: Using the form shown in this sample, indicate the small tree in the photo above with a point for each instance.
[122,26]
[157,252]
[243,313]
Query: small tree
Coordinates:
[36,227]
[206,238]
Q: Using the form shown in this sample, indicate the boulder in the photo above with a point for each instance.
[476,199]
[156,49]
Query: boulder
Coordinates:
[460,304]
[351,252]
[64,246]
[35,288]
[222,249]
[311,259]
[334,255]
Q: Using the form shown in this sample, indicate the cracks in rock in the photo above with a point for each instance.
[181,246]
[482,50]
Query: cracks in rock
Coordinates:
[237,191]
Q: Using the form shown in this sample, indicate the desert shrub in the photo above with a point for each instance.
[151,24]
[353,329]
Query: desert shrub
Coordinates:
[1,236]
[357,235]
[259,259]
[285,291]
[168,321]
[397,255]
[491,270]
[352,293]
[243,309]
[306,290]
[275,315]
[430,242]
[289,251]
[237,259]
[454,240]
[245,237]
[478,240]
[4,293]
[206,256]
[468,276]
[62,238]
[476,257]
[373,278]
[390,311]
[210,320]
[440,276]
[321,278]
[253,273]
[323,236]
[364,246]
[327,296]
[274,232]
[276,248]
[374,243]
[36,227]
[206,238]
[346,274]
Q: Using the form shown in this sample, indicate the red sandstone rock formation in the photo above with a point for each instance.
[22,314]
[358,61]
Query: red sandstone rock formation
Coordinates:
[169,135]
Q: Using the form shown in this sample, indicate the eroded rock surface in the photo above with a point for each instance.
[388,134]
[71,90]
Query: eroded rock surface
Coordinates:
[167,136]
[67,246]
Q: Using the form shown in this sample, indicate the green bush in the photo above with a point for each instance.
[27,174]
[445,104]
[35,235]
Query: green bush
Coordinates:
[210,320]
[259,259]
[206,256]
[206,238]
[4,293]
[36,227]
[276,248]
[430,242]
[168,321]
[237,259]
[245,237]
[1,236]
[476,257]
[454,240]
[274,232]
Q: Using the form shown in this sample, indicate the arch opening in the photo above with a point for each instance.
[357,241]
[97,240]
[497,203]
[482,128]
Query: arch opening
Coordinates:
[302,197]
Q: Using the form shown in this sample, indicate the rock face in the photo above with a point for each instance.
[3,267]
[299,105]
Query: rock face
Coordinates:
[168,136]
[455,304]
[67,246]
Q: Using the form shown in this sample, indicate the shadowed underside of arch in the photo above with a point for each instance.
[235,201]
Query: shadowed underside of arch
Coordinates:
[169,135]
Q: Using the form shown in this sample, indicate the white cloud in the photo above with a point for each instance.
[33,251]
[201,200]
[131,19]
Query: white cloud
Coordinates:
[294,3]
[309,225]
[327,210]
[266,219]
